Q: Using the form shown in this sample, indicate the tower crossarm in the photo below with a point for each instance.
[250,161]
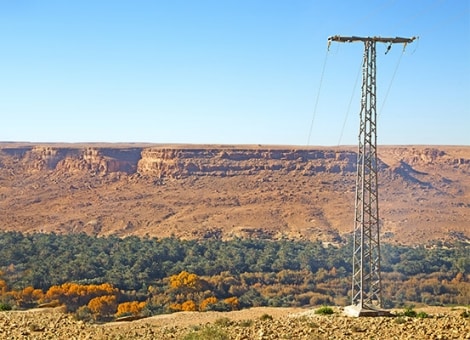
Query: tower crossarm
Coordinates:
[395,40]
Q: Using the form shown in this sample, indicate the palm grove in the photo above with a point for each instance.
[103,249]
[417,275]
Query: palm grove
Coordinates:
[107,277]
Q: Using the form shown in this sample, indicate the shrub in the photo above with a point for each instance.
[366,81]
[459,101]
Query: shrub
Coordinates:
[324,310]
[83,313]
[410,312]
[219,306]
[153,309]
[422,315]
[4,306]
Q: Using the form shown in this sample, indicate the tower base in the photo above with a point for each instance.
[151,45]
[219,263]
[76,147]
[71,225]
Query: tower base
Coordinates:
[358,311]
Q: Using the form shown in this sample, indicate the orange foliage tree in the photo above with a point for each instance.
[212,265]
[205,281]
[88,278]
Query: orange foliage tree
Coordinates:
[206,303]
[74,295]
[189,306]
[3,287]
[175,307]
[185,281]
[232,302]
[103,305]
[132,307]
[28,296]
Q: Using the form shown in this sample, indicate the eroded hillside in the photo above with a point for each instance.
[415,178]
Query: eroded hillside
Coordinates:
[226,191]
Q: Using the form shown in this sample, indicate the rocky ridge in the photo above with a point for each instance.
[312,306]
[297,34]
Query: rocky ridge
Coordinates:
[178,162]
[225,191]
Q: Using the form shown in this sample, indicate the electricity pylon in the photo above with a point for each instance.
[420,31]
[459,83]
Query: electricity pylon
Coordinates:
[366,280]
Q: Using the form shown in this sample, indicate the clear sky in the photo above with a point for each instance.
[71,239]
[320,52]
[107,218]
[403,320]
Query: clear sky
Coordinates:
[230,71]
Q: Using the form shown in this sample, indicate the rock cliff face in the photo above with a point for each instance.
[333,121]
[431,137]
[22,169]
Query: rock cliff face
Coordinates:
[184,161]
[177,163]
[230,191]
[97,160]
[181,162]
[102,160]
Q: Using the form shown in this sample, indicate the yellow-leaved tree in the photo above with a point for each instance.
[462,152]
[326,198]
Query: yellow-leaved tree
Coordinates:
[29,296]
[232,302]
[132,307]
[185,281]
[103,306]
[74,295]
[189,306]
[206,304]
[3,287]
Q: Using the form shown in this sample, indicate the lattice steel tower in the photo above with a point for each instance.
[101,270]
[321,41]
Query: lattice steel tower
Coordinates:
[366,280]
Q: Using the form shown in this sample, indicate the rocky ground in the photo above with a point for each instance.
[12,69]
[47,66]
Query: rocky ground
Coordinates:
[255,323]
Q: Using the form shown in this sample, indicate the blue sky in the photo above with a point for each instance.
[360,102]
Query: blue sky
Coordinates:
[230,72]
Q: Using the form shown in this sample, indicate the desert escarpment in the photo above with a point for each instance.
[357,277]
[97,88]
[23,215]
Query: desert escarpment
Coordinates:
[101,160]
[176,163]
[195,191]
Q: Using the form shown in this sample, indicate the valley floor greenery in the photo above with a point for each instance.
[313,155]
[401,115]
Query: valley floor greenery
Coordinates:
[101,278]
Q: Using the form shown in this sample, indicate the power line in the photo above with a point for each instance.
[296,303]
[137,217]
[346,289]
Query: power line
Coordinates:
[350,102]
[391,82]
[318,97]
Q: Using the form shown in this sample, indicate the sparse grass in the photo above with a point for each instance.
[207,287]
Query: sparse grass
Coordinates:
[324,310]
[265,317]
[209,332]
[312,324]
[308,322]
[400,320]
[246,323]
[303,318]
[35,328]
[357,329]
[465,314]
[223,322]
[411,313]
